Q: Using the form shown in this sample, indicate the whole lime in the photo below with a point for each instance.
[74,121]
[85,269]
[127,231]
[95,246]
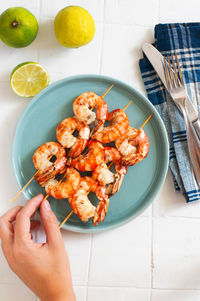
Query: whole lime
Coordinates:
[18,27]
[74,26]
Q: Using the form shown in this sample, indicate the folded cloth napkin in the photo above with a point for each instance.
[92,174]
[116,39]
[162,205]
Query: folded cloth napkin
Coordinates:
[184,40]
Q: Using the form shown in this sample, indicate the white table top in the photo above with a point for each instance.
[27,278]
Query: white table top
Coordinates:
[156,256]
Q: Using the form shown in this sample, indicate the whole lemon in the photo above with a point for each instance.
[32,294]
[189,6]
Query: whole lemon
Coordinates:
[18,27]
[74,26]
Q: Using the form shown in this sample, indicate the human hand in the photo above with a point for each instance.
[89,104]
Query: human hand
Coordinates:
[44,268]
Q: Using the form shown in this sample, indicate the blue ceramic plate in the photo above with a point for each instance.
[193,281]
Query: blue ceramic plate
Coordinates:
[38,123]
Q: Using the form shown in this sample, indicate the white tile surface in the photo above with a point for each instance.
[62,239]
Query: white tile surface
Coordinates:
[132,12]
[11,108]
[17,292]
[15,56]
[32,5]
[176,253]
[80,293]
[60,61]
[78,248]
[117,294]
[158,295]
[121,257]
[172,204]
[179,11]
[120,57]
[6,275]
[95,7]
[147,212]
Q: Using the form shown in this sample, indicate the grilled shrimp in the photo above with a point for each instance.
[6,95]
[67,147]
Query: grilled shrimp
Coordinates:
[82,206]
[134,146]
[66,188]
[102,172]
[89,161]
[46,169]
[87,100]
[119,125]
[114,187]
[105,176]
[64,135]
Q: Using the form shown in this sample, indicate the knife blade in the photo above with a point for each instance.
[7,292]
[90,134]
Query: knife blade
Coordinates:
[157,61]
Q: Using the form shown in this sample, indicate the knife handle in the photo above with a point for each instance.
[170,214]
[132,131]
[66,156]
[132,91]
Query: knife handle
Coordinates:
[196,125]
[193,146]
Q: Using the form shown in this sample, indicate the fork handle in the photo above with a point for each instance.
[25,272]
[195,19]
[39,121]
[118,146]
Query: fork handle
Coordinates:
[196,125]
[193,146]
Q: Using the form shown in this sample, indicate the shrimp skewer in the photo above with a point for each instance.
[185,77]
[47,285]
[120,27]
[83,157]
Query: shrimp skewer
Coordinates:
[33,177]
[99,211]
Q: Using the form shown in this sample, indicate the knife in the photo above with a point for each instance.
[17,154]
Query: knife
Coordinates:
[157,61]
[190,114]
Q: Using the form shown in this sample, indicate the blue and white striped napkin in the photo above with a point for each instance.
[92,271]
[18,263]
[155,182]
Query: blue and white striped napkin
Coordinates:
[184,40]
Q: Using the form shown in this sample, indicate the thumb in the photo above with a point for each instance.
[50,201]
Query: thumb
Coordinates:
[50,224]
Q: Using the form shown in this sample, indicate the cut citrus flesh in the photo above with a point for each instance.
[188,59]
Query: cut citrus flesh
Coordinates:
[28,79]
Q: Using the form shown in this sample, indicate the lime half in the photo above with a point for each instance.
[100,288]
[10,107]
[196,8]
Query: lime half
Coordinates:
[28,79]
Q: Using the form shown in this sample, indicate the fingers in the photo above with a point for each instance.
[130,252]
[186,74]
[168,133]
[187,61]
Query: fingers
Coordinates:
[49,220]
[6,227]
[6,230]
[22,226]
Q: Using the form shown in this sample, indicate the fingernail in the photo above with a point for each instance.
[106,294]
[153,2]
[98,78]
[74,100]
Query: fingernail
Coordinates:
[47,205]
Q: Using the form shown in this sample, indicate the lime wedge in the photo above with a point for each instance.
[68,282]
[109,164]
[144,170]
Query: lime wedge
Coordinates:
[28,79]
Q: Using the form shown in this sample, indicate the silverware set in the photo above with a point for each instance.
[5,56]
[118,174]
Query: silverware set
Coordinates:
[170,73]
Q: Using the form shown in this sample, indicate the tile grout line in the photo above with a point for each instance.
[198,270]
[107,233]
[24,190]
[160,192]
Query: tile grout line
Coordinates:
[152,257]
[103,33]
[40,12]
[138,288]
[158,11]
[89,265]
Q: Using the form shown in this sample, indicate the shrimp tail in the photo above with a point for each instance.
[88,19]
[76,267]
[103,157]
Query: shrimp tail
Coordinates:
[114,187]
[102,208]
[100,212]
[78,148]
[43,176]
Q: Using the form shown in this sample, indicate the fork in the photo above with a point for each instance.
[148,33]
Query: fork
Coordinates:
[177,89]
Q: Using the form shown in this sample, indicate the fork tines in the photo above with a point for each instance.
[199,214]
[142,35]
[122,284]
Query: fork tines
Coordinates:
[174,77]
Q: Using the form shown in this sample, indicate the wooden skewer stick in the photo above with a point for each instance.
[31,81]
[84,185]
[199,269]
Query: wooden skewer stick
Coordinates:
[14,199]
[128,104]
[145,122]
[104,95]
[110,164]
[46,197]
[107,91]
[64,221]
